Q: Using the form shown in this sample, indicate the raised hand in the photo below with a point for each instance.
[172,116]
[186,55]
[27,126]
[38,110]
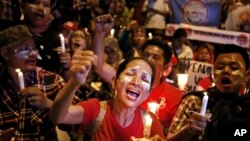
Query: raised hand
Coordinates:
[104,23]
[81,64]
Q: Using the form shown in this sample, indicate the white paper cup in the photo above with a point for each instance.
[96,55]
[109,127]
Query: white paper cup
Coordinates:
[182,80]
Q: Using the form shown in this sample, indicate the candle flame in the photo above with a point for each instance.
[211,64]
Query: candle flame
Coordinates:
[18,70]
[205,93]
[61,36]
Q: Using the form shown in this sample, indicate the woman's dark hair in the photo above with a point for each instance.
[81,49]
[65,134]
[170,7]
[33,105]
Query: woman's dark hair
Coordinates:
[230,48]
[167,52]
[122,66]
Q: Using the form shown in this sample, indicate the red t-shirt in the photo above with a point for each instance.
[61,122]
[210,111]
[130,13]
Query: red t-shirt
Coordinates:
[170,97]
[110,129]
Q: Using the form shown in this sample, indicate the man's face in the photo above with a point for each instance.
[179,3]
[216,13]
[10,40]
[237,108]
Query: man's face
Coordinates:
[229,72]
[37,13]
[23,56]
[155,55]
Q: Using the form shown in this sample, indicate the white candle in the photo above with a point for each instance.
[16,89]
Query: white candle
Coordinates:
[148,126]
[62,42]
[112,32]
[153,107]
[204,104]
[20,79]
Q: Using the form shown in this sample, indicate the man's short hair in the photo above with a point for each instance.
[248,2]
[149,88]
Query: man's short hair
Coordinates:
[167,52]
[231,48]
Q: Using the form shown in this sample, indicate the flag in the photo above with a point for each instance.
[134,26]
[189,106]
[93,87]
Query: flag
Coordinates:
[196,12]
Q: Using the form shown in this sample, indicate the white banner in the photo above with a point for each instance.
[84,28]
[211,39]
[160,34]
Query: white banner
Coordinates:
[213,35]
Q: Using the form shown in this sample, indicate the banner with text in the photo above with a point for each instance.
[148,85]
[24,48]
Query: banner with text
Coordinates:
[197,71]
[212,35]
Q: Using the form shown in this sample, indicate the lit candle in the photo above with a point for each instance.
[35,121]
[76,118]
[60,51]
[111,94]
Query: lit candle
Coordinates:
[62,42]
[150,36]
[112,32]
[20,79]
[204,104]
[148,124]
[153,107]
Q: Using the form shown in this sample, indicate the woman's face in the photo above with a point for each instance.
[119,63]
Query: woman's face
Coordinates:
[139,38]
[203,55]
[134,83]
[78,40]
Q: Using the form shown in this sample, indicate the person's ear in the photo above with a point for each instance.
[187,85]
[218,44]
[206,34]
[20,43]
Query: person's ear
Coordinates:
[167,69]
[247,77]
[113,82]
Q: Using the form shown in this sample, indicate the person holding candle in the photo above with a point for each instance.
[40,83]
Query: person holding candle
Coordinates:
[230,72]
[157,52]
[25,103]
[122,119]
[78,40]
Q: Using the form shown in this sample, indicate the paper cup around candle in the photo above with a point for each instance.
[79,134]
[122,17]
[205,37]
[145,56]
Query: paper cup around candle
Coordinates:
[182,80]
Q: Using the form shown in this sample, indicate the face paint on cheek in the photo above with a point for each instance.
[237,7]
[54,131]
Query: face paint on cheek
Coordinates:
[125,78]
[238,73]
[216,74]
[146,86]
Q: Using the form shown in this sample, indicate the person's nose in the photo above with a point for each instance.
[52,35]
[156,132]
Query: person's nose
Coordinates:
[226,70]
[40,6]
[150,58]
[136,80]
[33,52]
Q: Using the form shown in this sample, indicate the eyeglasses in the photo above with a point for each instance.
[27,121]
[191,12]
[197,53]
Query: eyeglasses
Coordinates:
[26,50]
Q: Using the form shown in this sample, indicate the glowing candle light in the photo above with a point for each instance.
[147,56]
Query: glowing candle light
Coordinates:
[150,35]
[20,78]
[182,80]
[153,107]
[148,124]
[62,42]
[112,32]
[204,104]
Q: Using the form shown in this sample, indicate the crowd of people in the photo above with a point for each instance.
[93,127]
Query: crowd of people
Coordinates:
[91,69]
